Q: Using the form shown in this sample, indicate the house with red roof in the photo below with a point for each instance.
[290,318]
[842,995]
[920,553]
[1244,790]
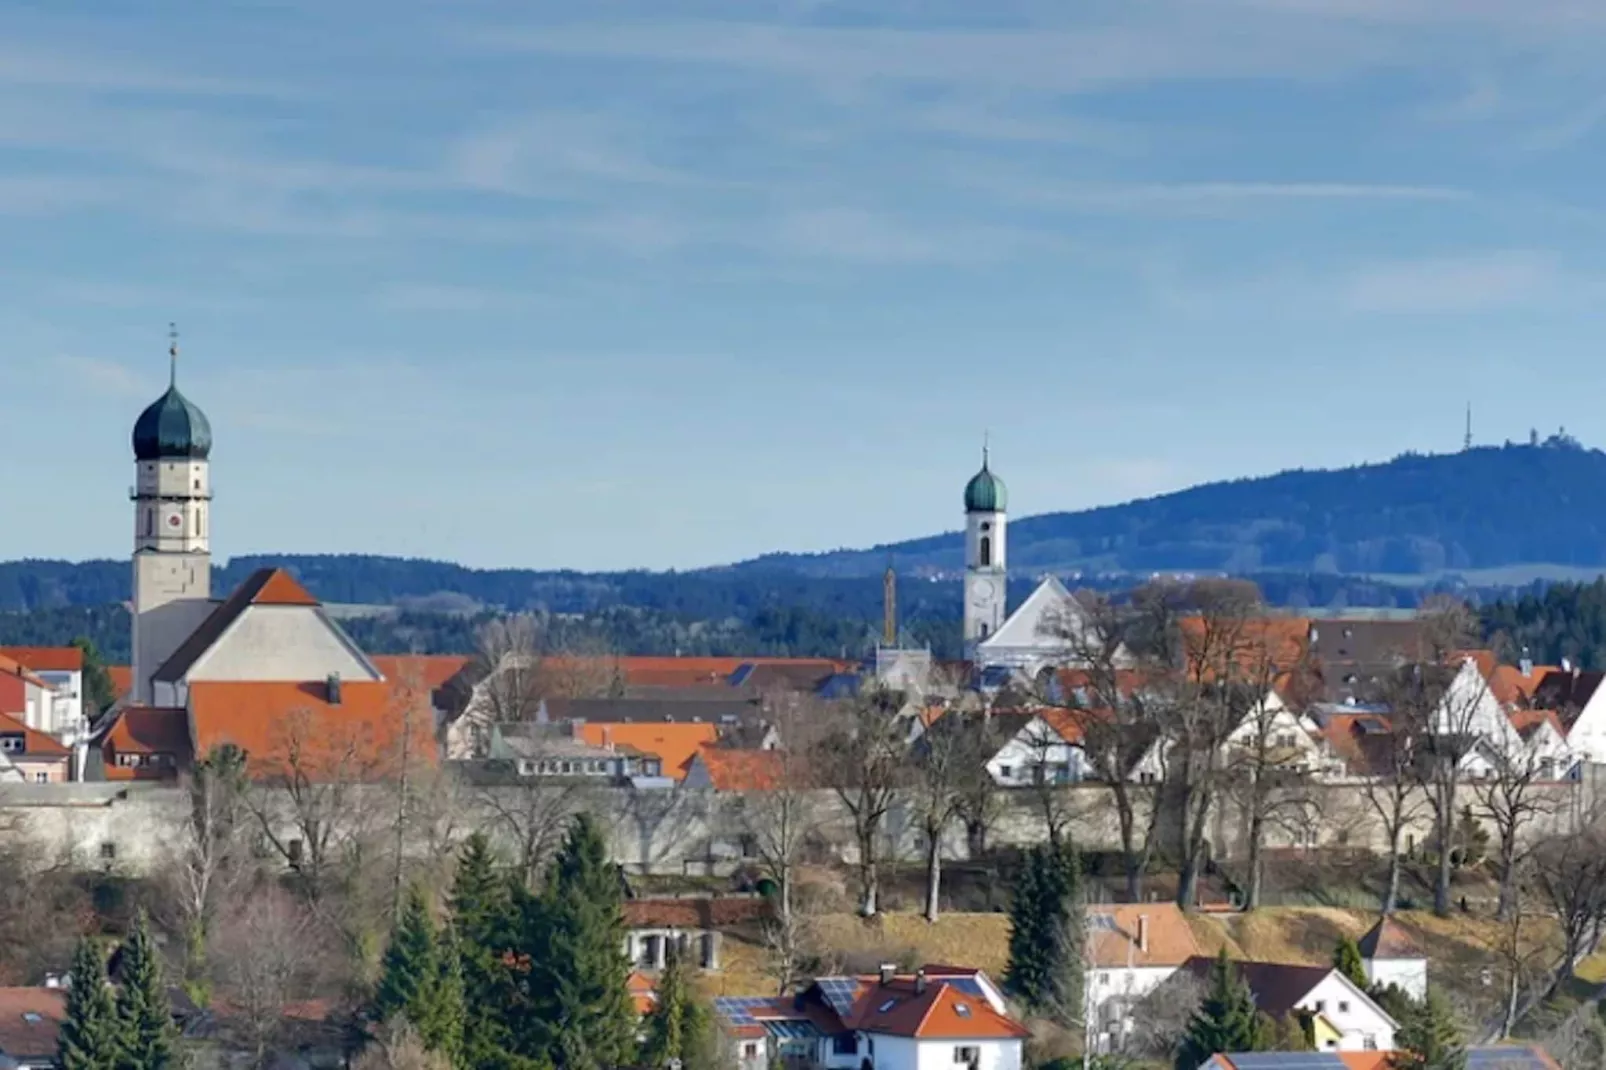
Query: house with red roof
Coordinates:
[62,669]
[938,1016]
[31,756]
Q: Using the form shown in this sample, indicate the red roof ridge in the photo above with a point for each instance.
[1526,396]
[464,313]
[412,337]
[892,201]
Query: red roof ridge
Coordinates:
[35,742]
[279,588]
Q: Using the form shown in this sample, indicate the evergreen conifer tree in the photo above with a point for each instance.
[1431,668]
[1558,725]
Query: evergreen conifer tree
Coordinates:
[482,923]
[148,1038]
[88,1036]
[574,1002]
[1347,961]
[1225,1021]
[422,979]
[665,1025]
[409,965]
[1048,933]
[1429,1038]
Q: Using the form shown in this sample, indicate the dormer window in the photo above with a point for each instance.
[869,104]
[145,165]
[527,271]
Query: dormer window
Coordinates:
[12,744]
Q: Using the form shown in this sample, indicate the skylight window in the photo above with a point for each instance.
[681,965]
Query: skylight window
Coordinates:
[887,1006]
[962,1009]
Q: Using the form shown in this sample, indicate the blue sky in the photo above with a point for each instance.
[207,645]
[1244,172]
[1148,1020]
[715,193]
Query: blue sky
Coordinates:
[668,283]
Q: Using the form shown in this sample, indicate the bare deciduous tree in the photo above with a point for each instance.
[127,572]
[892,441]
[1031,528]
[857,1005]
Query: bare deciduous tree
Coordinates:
[778,817]
[398,1047]
[268,958]
[1227,665]
[1569,874]
[1116,698]
[209,848]
[1513,797]
[862,756]
[1270,779]
[946,753]
[1391,768]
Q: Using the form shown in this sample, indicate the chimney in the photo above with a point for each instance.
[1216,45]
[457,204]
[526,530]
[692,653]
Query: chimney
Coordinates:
[888,972]
[1566,664]
[920,982]
[1143,932]
[1526,664]
[607,737]
[332,689]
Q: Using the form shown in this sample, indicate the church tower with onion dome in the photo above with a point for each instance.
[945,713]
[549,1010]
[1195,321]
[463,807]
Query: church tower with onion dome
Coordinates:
[986,577]
[172,540]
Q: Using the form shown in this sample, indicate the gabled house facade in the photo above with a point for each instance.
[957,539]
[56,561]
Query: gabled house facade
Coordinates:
[938,1018]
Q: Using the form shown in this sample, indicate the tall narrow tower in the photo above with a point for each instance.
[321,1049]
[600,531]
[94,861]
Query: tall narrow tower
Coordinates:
[986,502]
[172,541]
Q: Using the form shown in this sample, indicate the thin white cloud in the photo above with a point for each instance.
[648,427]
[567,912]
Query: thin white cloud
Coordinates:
[1459,284]
[104,377]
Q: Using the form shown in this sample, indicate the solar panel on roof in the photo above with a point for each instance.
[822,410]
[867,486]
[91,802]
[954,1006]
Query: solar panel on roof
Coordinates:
[1287,1060]
[968,985]
[839,993]
[1104,922]
[1504,1059]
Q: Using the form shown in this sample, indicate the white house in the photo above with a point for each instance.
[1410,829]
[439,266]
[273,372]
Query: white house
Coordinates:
[61,670]
[1045,747]
[1391,957]
[1469,707]
[938,1018]
[1347,1019]
[1132,949]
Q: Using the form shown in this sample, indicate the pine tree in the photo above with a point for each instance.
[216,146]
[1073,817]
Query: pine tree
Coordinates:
[1225,1021]
[1347,961]
[665,1025]
[1429,1038]
[422,979]
[1027,972]
[149,1040]
[575,1006]
[482,924]
[409,964]
[88,1036]
[1048,933]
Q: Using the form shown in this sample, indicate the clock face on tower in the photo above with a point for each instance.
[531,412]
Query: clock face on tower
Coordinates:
[982,592]
[174,520]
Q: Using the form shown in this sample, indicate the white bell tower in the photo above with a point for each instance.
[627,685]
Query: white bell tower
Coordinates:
[986,571]
[172,539]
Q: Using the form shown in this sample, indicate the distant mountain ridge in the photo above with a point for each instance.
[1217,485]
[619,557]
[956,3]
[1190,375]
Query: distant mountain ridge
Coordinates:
[1537,508]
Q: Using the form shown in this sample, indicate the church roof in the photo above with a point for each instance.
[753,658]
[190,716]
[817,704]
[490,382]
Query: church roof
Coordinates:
[986,493]
[359,734]
[264,587]
[1040,621]
[172,428]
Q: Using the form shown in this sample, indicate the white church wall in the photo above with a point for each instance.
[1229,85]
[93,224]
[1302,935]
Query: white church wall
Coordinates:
[283,643]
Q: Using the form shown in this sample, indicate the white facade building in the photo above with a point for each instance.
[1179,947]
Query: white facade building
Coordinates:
[986,555]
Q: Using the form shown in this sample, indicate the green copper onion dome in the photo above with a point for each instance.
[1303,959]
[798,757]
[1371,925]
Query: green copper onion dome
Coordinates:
[986,493]
[173,428]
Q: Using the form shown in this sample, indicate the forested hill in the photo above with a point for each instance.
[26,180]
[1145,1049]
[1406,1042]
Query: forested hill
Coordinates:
[1418,515]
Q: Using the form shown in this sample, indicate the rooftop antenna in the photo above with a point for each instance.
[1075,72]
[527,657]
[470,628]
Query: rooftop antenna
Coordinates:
[1466,443]
[889,605]
[172,354]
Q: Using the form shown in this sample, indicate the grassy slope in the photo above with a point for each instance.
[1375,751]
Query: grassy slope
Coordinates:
[1458,948]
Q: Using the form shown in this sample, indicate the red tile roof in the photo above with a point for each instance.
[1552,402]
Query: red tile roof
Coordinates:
[1147,934]
[731,769]
[901,1008]
[1511,687]
[277,724]
[36,746]
[30,1018]
[433,669]
[643,993]
[122,678]
[1526,722]
[279,588]
[46,658]
[1259,646]
[1389,940]
[716,913]
[147,731]
[12,667]
[673,743]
